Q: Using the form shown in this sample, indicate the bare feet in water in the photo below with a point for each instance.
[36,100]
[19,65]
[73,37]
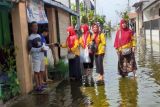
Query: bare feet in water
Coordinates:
[100,78]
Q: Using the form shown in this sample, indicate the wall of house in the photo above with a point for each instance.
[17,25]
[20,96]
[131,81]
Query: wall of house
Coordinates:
[64,22]
[152,30]
[53,31]
[152,22]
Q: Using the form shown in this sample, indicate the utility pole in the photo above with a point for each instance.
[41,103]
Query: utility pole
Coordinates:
[78,11]
[95,7]
[128,6]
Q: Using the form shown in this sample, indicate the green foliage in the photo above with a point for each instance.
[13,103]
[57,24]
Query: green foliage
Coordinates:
[87,16]
[60,70]
[84,19]
[62,67]
[98,18]
[74,20]
[106,27]
[8,66]
[124,15]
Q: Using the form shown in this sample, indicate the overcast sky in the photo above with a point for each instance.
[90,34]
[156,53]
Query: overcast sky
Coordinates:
[108,8]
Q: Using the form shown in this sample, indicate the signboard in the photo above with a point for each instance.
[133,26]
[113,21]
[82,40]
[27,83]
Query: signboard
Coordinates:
[36,12]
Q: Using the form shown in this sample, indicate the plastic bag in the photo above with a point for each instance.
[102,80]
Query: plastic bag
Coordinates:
[50,57]
[84,55]
[71,56]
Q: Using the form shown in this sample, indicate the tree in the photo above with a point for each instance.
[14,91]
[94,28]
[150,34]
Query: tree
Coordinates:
[123,15]
[87,17]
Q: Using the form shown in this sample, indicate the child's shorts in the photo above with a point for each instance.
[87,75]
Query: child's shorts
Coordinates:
[38,65]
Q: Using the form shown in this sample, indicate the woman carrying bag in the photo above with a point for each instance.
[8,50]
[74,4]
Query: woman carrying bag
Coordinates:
[87,56]
[125,46]
[100,42]
[72,44]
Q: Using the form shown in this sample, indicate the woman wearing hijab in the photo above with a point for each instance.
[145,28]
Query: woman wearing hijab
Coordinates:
[125,46]
[85,41]
[72,44]
[100,41]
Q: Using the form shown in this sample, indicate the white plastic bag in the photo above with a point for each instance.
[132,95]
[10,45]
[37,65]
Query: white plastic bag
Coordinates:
[50,57]
[84,55]
[71,56]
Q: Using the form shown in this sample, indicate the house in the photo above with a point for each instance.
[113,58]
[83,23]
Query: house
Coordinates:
[151,20]
[148,19]
[58,13]
[61,17]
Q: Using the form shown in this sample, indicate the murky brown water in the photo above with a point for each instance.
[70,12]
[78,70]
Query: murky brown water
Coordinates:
[144,91]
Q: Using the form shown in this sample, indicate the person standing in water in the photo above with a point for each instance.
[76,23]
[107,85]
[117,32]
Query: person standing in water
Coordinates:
[100,42]
[85,42]
[72,44]
[125,46]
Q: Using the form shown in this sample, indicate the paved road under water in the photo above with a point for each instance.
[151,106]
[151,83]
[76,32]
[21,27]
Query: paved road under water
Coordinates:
[144,91]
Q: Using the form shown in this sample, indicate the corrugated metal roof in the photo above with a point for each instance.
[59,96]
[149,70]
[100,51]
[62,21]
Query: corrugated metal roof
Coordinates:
[61,6]
[150,3]
[137,4]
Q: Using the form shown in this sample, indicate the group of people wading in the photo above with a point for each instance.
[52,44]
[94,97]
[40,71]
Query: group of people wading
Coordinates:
[90,48]
[87,49]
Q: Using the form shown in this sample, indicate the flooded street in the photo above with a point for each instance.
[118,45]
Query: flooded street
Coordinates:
[144,91]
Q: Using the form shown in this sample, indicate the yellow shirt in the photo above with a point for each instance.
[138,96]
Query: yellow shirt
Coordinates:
[101,44]
[81,41]
[74,49]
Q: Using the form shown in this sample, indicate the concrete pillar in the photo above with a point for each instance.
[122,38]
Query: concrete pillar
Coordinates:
[53,31]
[137,26]
[20,32]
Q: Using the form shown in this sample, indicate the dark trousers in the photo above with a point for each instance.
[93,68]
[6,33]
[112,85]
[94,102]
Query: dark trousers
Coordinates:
[89,65]
[99,64]
[74,68]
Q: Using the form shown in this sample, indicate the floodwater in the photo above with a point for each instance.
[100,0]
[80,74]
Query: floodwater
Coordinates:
[142,91]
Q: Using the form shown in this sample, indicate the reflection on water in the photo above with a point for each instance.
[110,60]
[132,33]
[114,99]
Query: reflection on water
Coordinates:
[144,91]
[150,59]
[128,92]
[95,96]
